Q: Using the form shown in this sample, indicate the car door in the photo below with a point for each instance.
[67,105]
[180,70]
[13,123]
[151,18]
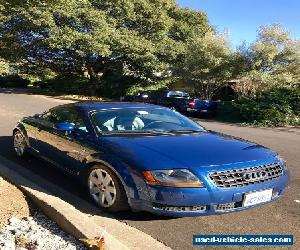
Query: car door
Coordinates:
[66,150]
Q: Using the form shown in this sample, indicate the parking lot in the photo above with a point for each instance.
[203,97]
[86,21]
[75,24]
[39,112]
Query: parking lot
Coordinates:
[280,217]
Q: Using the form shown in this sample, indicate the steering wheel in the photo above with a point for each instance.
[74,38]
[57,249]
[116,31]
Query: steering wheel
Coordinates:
[125,122]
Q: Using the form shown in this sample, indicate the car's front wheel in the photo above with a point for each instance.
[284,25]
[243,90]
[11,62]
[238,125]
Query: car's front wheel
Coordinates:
[20,144]
[106,189]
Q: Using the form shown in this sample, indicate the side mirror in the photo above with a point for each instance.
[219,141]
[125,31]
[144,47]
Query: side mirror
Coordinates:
[64,127]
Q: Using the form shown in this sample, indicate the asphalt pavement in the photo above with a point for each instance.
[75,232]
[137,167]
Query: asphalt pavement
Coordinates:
[280,217]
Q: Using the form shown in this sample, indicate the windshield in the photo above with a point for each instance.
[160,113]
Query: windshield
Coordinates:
[142,120]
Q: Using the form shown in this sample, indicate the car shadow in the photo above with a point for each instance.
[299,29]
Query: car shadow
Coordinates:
[21,91]
[13,91]
[62,96]
[61,185]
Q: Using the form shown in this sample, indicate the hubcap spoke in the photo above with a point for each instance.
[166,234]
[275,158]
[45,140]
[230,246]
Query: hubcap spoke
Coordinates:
[95,190]
[99,175]
[94,180]
[106,180]
[108,197]
[102,198]
[111,190]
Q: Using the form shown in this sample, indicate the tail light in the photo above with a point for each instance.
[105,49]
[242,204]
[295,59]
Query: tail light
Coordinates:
[192,104]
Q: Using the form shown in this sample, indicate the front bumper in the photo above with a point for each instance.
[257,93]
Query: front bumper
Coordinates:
[182,202]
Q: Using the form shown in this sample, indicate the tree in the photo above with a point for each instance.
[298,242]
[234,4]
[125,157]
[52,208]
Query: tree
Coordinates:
[272,61]
[4,67]
[98,38]
[206,65]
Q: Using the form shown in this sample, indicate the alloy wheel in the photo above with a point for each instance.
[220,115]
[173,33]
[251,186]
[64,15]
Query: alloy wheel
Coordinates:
[102,188]
[19,143]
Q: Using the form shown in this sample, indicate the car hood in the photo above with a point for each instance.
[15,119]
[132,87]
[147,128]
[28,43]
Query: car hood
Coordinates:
[190,150]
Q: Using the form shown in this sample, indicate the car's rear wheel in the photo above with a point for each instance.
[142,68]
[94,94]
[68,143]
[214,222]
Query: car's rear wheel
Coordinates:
[20,144]
[106,189]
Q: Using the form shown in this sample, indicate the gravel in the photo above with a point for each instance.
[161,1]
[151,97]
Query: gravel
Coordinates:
[36,232]
[13,205]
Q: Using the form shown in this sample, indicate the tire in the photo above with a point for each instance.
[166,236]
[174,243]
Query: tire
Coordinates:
[106,189]
[20,144]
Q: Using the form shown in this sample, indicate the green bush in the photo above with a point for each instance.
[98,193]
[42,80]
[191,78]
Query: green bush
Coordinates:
[66,85]
[111,85]
[13,81]
[277,107]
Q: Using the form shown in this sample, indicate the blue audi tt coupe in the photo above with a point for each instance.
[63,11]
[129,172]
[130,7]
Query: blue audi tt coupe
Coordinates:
[151,158]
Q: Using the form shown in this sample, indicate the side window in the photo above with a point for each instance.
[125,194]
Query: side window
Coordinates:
[49,117]
[66,114]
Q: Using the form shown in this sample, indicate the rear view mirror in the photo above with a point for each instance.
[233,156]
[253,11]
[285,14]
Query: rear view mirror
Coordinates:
[64,127]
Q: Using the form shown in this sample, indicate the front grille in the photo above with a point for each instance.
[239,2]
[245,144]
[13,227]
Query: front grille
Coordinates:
[246,176]
[179,208]
[226,206]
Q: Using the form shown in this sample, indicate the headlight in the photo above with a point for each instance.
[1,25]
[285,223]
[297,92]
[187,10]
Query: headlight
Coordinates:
[172,178]
[282,162]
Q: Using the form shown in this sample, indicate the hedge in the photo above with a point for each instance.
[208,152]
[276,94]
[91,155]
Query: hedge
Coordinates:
[277,107]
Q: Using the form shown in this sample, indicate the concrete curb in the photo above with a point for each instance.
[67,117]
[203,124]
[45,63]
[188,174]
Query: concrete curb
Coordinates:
[71,220]
[65,215]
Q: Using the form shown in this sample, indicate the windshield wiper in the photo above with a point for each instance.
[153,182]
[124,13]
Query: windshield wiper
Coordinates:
[132,132]
[186,131]
[158,132]
[152,132]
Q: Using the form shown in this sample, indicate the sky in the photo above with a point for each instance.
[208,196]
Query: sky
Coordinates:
[242,18]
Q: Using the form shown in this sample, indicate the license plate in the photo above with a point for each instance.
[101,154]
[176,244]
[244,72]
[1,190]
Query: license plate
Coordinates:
[204,111]
[258,197]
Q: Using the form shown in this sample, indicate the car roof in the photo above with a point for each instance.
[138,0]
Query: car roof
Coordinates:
[88,106]
[166,92]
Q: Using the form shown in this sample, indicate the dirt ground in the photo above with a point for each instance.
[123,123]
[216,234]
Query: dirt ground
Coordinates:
[12,203]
